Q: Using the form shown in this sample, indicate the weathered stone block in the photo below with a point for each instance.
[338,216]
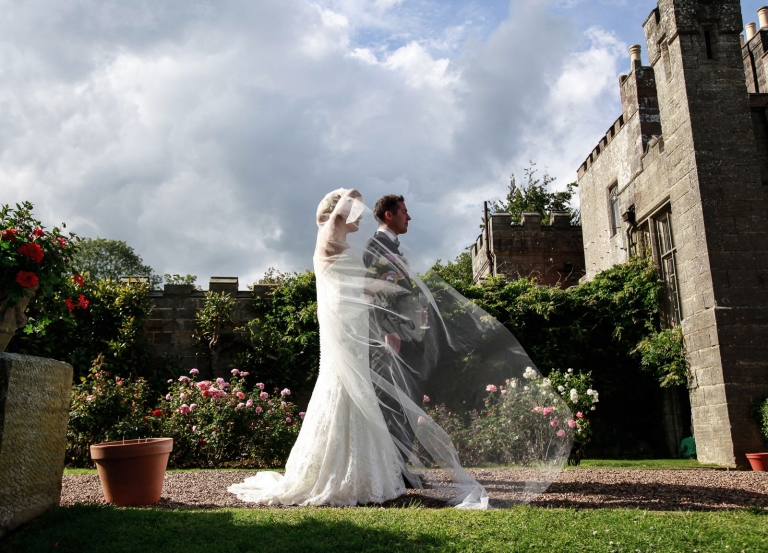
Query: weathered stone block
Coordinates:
[34,409]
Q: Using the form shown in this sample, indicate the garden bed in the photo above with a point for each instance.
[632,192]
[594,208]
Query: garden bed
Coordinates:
[657,490]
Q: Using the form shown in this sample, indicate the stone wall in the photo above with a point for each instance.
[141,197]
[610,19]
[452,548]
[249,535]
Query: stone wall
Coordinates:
[172,322]
[554,254]
[705,169]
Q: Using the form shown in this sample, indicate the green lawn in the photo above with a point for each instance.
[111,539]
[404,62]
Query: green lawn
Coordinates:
[86,529]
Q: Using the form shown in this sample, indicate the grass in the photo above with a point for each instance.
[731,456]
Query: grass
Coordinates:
[585,464]
[643,464]
[86,529]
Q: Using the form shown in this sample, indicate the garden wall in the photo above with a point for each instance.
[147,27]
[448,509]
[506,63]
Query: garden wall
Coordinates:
[171,325]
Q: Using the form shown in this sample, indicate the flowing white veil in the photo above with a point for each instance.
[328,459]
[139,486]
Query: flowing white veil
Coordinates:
[450,350]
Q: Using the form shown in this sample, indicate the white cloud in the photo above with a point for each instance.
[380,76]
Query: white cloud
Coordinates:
[205,137]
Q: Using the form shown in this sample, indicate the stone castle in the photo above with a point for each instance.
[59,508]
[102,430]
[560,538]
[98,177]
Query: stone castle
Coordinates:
[682,176]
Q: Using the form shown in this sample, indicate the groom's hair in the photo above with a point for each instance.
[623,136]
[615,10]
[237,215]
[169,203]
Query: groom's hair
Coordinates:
[387,203]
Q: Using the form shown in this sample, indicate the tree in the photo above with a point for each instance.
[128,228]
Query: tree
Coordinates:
[104,258]
[534,195]
[458,272]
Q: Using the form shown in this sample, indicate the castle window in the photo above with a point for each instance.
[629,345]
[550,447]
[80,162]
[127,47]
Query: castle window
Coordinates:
[665,256]
[613,195]
[708,44]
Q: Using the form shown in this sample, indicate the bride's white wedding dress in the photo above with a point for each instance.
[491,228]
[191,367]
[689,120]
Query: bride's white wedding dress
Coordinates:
[344,454]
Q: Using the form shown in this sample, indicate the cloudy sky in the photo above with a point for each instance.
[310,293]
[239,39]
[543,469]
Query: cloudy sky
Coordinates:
[204,133]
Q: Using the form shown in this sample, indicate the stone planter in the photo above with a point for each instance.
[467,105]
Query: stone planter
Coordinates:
[13,318]
[132,471]
[34,409]
[758,461]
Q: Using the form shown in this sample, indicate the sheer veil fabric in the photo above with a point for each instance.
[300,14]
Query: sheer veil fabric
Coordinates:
[366,430]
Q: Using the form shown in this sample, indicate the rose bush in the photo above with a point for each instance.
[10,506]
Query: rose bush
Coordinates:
[521,423]
[32,259]
[106,408]
[219,423]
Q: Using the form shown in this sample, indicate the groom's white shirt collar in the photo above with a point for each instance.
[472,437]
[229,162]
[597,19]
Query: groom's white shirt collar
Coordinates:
[385,230]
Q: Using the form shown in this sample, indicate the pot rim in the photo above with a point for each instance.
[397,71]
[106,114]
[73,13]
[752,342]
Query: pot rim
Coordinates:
[131,448]
[756,454]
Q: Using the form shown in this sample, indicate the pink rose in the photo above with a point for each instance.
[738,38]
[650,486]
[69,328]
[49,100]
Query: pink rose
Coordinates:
[183,379]
[244,374]
[561,433]
[491,388]
[194,371]
[547,411]
[579,415]
[285,392]
[184,409]
[259,409]
[537,409]
[240,395]
[554,423]
[288,420]
[426,399]
[170,380]
[421,420]
[234,372]
[301,414]
[249,403]
[572,423]
[240,405]
[270,411]
[504,392]
[168,397]
[263,395]
[192,406]
[204,385]
[260,385]
[194,428]
[283,404]
[182,396]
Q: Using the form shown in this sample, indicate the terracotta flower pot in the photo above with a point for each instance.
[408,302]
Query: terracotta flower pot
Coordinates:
[131,471]
[759,461]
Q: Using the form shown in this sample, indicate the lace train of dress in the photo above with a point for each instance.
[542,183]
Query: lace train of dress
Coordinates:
[343,456]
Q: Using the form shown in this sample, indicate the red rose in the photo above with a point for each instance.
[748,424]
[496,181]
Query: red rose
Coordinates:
[38,232]
[78,279]
[27,279]
[10,234]
[82,302]
[62,241]
[70,304]
[32,251]
[157,413]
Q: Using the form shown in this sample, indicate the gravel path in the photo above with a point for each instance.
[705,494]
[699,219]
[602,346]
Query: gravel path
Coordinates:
[658,490]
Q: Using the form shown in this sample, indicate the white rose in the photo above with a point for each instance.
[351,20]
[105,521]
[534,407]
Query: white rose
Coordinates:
[574,395]
[561,389]
[546,383]
[590,392]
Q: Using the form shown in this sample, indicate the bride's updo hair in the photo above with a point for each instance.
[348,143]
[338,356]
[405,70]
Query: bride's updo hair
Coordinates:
[327,205]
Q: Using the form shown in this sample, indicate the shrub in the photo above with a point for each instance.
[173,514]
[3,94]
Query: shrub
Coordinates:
[760,412]
[109,324]
[664,353]
[286,339]
[520,425]
[215,423]
[105,409]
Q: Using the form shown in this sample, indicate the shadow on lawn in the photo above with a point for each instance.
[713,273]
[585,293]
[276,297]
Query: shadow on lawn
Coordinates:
[97,528]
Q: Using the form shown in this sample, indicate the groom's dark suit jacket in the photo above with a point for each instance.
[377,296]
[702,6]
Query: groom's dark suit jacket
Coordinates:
[383,362]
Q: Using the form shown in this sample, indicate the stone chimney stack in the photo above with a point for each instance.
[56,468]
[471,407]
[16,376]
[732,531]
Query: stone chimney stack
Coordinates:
[750,31]
[762,15]
[634,58]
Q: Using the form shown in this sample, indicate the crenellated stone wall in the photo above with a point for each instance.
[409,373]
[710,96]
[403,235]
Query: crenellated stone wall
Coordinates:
[553,254]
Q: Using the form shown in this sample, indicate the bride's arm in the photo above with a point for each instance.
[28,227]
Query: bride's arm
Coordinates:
[332,238]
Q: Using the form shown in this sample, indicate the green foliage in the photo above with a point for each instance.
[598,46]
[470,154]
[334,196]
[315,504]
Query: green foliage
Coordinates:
[458,271]
[216,424]
[286,338]
[520,424]
[534,195]
[32,260]
[216,329]
[760,413]
[181,279]
[108,321]
[664,353]
[104,258]
[106,409]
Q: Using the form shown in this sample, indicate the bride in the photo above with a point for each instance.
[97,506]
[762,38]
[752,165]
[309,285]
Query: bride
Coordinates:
[345,453]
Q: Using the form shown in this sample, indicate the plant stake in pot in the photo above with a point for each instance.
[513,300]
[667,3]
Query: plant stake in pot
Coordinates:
[131,471]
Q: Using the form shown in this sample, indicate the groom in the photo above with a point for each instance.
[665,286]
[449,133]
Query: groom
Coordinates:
[385,261]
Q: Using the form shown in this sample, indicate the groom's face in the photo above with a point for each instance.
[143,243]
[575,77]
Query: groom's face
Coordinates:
[398,223]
